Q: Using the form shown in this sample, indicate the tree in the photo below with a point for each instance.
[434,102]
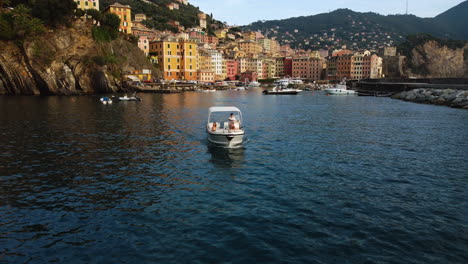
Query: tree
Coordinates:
[112,21]
[54,12]
[18,24]
[95,14]
[3,2]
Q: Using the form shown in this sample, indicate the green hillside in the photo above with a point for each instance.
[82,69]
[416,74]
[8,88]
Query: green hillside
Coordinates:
[361,30]
[456,19]
[158,14]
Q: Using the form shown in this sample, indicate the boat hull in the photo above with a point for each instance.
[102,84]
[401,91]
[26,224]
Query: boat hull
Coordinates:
[339,92]
[228,140]
[280,92]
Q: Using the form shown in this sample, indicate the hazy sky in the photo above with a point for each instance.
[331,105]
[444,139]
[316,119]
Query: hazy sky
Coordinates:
[243,12]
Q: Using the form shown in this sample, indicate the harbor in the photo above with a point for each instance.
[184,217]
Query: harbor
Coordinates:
[317,176]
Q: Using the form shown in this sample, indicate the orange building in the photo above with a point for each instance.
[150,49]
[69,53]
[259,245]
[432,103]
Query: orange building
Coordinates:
[176,57]
[124,12]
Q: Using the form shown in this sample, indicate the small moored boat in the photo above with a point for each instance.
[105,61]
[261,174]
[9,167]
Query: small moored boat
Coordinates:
[339,89]
[228,133]
[106,100]
[131,98]
[280,89]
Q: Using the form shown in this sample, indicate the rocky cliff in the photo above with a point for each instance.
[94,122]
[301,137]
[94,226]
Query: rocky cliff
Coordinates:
[434,60]
[67,61]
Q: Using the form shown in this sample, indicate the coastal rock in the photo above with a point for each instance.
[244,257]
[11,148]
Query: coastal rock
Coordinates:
[439,61]
[63,62]
[448,97]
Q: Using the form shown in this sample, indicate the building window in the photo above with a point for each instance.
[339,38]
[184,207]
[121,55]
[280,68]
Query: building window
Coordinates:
[168,46]
[86,3]
[94,4]
[169,67]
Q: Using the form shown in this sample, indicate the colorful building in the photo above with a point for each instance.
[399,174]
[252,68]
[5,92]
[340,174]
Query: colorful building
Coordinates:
[249,76]
[231,69]
[124,12]
[87,4]
[250,47]
[307,68]
[202,20]
[143,44]
[177,58]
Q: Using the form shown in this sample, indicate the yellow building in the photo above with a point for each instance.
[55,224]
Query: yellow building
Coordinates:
[249,36]
[177,58]
[87,4]
[124,12]
[221,33]
[250,47]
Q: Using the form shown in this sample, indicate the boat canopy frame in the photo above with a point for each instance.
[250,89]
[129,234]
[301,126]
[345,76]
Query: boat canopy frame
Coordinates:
[231,109]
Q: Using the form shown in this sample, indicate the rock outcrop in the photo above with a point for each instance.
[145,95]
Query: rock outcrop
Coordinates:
[448,97]
[67,61]
[434,60]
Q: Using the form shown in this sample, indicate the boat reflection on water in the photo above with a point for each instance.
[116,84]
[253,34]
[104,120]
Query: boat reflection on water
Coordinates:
[227,157]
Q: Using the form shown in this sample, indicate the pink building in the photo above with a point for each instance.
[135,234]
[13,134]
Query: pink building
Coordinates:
[288,61]
[212,40]
[231,69]
[143,44]
[307,68]
[249,76]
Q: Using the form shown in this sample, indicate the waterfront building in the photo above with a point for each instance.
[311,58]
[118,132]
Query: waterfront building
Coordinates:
[87,4]
[255,65]
[249,76]
[218,65]
[124,12]
[205,71]
[279,67]
[288,66]
[231,68]
[241,65]
[307,68]
[376,67]
[360,65]
[177,58]
[344,67]
[269,68]
[140,17]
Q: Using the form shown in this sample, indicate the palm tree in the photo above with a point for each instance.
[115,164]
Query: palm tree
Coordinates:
[3,2]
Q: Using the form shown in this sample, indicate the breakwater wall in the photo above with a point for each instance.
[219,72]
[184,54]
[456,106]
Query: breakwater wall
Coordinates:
[392,86]
[448,97]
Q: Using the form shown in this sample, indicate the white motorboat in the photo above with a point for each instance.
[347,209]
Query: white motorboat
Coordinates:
[280,89]
[339,89]
[254,84]
[131,98]
[106,100]
[228,133]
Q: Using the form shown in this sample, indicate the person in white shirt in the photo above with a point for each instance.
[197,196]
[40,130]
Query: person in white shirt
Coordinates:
[232,119]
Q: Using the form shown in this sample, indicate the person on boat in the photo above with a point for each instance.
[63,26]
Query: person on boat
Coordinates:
[232,119]
[213,127]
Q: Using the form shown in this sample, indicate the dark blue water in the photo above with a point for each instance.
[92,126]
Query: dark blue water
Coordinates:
[322,179]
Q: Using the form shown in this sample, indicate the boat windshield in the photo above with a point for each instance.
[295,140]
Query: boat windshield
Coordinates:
[222,117]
